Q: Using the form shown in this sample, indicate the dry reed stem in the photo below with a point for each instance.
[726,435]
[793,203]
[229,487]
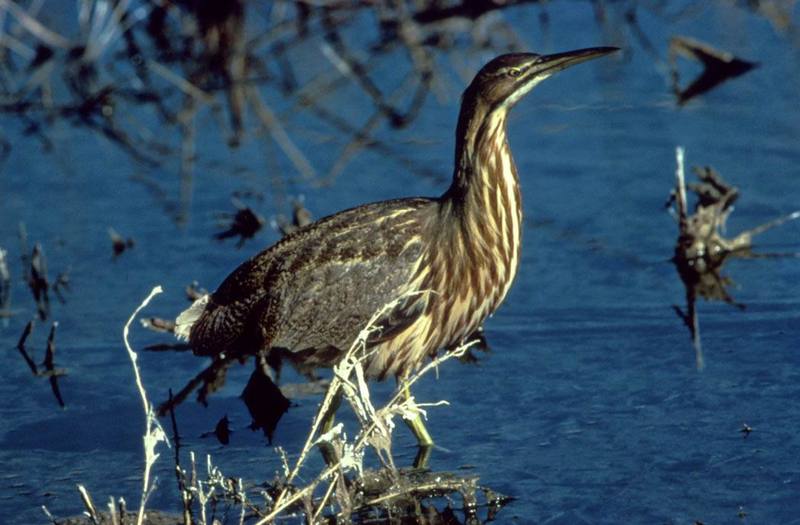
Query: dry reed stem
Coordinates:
[746,236]
[372,421]
[683,218]
[112,511]
[91,511]
[325,498]
[680,184]
[276,130]
[153,431]
[180,82]
[349,379]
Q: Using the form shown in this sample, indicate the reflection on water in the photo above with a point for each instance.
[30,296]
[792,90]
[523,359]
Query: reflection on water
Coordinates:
[47,368]
[135,73]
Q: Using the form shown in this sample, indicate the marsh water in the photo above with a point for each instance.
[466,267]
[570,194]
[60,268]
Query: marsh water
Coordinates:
[589,407]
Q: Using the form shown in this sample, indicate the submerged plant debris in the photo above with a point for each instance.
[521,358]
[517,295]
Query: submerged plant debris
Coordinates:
[265,402]
[301,216]
[222,431]
[38,282]
[702,250]
[245,223]
[119,244]
[718,66]
[34,274]
[26,332]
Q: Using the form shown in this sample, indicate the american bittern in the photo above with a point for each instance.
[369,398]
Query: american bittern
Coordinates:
[308,296]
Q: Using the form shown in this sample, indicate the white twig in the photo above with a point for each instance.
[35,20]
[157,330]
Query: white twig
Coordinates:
[153,431]
[240,486]
[680,183]
[49,515]
[87,502]
[112,511]
[349,380]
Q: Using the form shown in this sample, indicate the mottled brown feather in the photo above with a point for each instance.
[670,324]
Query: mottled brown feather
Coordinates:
[311,294]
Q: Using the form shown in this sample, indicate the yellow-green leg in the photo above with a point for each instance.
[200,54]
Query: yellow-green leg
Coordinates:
[422,457]
[424,439]
[328,454]
[417,426]
[330,416]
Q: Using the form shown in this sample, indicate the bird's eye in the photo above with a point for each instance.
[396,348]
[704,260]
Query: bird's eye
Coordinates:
[514,72]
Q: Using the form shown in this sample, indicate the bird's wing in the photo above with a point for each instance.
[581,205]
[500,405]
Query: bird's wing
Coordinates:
[339,281]
[328,305]
[318,287]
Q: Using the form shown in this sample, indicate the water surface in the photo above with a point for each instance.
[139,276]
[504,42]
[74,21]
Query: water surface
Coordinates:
[589,408]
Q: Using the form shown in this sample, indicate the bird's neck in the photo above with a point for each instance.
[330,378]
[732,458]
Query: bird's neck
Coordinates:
[485,187]
[474,243]
[482,209]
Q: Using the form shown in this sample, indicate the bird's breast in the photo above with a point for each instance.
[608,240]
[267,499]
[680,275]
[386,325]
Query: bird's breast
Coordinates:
[467,269]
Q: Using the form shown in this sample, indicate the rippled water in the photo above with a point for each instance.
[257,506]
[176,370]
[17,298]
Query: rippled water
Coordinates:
[589,408]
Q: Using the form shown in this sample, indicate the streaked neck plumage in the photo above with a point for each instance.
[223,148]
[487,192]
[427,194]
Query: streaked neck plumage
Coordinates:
[484,199]
[485,188]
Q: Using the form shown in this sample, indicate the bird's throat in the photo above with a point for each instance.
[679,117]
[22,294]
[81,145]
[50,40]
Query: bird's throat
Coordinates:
[484,199]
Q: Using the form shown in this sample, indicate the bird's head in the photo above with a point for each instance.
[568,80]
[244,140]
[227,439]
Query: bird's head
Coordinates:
[507,78]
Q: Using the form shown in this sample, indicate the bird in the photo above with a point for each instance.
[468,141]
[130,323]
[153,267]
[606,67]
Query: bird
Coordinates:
[308,296]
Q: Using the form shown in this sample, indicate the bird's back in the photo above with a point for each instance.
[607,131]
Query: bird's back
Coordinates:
[311,293]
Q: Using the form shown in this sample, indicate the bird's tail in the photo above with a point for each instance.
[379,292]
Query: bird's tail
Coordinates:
[187,318]
[210,328]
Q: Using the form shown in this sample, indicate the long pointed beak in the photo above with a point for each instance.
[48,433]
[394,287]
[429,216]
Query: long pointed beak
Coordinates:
[559,61]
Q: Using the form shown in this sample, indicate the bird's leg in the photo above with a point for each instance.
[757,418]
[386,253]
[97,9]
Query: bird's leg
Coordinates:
[330,414]
[327,451]
[422,457]
[424,439]
[416,425]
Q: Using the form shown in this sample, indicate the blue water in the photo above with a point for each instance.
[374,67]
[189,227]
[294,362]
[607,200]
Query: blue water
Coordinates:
[589,408]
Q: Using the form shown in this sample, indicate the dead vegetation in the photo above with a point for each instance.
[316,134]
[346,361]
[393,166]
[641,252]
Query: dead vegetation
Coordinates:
[245,223]
[34,274]
[5,285]
[346,490]
[718,66]
[702,250]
